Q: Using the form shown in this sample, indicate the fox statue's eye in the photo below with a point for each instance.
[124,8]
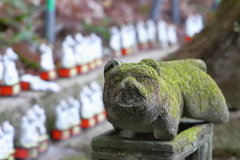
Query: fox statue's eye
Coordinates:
[111,64]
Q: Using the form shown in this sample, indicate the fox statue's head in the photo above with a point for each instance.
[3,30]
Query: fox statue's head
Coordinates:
[131,91]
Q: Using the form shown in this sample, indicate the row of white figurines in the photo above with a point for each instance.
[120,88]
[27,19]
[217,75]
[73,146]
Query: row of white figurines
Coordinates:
[31,128]
[75,52]
[129,35]
[194,24]
[89,104]
[9,72]
[80,49]
[6,140]
[8,60]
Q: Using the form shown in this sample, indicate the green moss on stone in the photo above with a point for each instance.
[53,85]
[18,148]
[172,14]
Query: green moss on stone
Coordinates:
[163,92]
[198,89]
[147,71]
[187,137]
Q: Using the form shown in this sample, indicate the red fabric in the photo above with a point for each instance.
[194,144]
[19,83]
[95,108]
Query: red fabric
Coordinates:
[58,135]
[86,123]
[25,86]
[21,153]
[188,39]
[8,90]
[63,72]
[45,76]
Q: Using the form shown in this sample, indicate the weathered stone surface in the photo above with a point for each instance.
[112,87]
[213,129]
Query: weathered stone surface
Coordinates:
[151,97]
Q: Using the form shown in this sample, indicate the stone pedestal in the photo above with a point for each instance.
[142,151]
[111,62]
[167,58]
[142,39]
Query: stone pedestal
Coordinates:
[48,76]
[88,123]
[26,153]
[127,51]
[66,73]
[193,142]
[82,68]
[13,90]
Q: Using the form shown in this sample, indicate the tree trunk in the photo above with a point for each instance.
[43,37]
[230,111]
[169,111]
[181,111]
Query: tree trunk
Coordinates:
[219,46]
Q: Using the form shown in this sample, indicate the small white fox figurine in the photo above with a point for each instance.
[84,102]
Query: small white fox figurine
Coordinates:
[46,60]
[10,76]
[28,133]
[9,134]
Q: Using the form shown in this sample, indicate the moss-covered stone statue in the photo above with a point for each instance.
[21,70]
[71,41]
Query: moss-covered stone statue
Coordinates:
[151,97]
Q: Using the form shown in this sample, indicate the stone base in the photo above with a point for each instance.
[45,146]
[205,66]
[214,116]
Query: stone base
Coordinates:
[193,143]
[26,153]
[13,90]
[25,86]
[91,65]
[153,45]
[82,68]
[10,156]
[43,145]
[143,46]
[98,62]
[127,51]
[48,76]
[60,135]
[66,73]
[75,131]
[88,123]
[117,54]
[100,117]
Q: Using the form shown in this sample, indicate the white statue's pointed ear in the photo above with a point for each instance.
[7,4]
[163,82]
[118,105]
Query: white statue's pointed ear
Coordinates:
[111,64]
[42,47]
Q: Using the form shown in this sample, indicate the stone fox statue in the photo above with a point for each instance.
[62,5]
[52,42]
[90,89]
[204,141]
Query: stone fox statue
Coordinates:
[151,97]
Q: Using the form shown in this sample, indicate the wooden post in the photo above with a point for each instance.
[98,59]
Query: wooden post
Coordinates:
[156,9]
[175,12]
[50,21]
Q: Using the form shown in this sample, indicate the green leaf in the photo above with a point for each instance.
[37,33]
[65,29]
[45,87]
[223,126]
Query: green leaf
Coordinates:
[24,35]
[22,16]
[9,21]
[101,30]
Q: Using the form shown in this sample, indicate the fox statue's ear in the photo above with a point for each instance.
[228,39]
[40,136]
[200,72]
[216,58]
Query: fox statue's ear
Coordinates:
[152,63]
[111,64]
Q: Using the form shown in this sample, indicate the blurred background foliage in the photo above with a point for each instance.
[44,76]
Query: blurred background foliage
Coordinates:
[18,21]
